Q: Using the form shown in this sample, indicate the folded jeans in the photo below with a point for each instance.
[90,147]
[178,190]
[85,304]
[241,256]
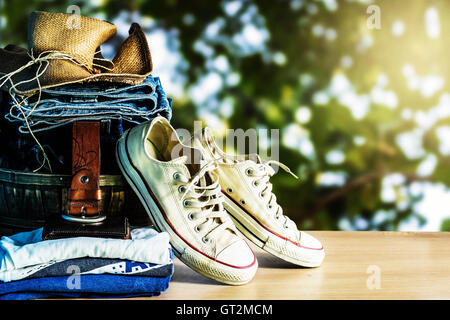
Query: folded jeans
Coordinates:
[62,105]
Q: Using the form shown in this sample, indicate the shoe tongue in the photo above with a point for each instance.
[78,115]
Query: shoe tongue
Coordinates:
[180,160]
[206,179]
[193,168]
[190,157]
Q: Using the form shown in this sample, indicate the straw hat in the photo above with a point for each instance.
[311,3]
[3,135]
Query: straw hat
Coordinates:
[60,53]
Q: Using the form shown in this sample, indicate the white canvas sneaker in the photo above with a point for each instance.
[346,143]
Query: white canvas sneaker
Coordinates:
[184,199]
[253,207]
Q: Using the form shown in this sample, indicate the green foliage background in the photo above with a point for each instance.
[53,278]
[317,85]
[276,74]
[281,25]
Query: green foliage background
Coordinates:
[306,44]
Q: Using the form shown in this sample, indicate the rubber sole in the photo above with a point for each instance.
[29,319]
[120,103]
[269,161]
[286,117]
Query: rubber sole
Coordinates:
[193,259]
[269,241]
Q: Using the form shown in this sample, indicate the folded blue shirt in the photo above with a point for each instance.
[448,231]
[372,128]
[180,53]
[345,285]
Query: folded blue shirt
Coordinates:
[89,286]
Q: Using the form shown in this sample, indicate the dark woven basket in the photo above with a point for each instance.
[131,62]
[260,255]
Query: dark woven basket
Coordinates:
[27,199]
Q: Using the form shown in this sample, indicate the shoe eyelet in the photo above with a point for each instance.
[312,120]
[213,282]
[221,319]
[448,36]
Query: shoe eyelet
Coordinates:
[181,189]
[242,201]
[229,190]
[285,226]
[255,183]
[248,171]
[261,195]
[205,239]
[269,206]
[191,216]
[186,203]
[176,176]
[197,229]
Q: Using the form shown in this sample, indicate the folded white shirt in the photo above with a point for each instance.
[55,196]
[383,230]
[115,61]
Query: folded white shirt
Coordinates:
[27,248]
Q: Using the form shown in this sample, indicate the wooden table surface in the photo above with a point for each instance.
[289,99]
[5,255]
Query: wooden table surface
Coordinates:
[357,265]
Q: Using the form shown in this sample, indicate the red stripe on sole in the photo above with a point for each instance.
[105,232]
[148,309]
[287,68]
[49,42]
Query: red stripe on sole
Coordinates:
[271,231]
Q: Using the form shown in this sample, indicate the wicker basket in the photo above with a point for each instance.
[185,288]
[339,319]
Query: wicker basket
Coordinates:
[27,199]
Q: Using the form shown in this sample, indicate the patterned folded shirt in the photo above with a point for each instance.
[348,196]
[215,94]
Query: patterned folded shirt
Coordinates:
[84,266]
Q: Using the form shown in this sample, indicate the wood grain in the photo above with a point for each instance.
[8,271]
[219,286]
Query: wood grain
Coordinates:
[411,266]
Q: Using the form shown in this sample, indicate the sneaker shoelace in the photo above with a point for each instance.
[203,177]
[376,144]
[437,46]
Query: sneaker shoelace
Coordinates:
[207,199]
[262,176]
[262,182]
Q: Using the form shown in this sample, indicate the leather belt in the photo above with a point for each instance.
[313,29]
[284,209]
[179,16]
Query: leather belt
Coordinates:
[85,193]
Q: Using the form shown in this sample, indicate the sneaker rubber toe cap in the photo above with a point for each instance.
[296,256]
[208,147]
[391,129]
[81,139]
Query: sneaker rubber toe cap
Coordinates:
[238,254]
[307,241]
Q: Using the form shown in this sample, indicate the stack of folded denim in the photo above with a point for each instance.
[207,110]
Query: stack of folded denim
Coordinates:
[117,106]
[85,266]
[61,105]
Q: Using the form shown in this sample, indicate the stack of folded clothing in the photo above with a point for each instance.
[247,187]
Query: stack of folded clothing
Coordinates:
[63,79]
[85,267]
